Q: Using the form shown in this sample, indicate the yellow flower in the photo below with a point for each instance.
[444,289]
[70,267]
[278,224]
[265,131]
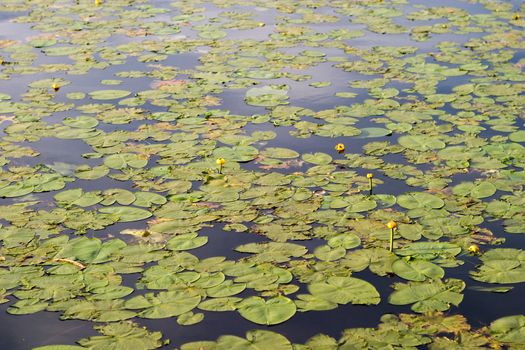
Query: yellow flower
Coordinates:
[340,148]
[392,226]
[473,249]
[220,161]
[369,175]
[55,86]
[98,2]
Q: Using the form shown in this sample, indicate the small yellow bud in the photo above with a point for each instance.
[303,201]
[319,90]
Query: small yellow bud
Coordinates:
[340,148]
[473,249]
[369,175]
[517,17]
[55,86]
[391,225]
[98,2]
[220,161]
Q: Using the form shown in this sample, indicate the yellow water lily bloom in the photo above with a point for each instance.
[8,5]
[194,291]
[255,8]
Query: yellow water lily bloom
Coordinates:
[220,162]
[392,226]
[340,148]
[473,249]
[55,86]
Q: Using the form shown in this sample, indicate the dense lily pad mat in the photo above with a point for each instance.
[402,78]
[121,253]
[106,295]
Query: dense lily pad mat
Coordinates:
[434,331]
[338,140]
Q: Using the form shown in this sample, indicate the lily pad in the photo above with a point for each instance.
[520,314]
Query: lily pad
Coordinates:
[501,265]
[509,329]
[417,200]
[417,270]
[109,94]
[344,290]
[127,214]
[267,312]
[428,296]
[420,142]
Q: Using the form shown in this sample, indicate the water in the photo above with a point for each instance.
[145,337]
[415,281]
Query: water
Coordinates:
[46,327]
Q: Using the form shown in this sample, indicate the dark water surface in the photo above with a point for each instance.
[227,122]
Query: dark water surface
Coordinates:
[43,328]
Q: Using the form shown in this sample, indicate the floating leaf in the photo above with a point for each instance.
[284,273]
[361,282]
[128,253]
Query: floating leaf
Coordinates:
[190,318]
[509,329]
[416,200]
[267,312]
[374,132]
[109,94]
[186,242]
[16,190]
[428,296]
[417,270]
[255,339]
[317,158]
[267,96]
[420,142]
[429,250]
[501,265]
[481,189]
[59,347]
[127,214]
[123,335]
[344,290]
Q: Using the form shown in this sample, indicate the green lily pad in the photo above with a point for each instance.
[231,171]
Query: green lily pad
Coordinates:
[374,132]
[509,329]
[267,96]
[59,347]
[429,250]
[344,290]
[82,122]
[417,270]
[16,190]
[186,242]
[267,312]
[317,158]
[517,136]
[122,160]
[279,152]
[255,339]
[127,214]
[417,200]
[420,142]
[123,335]
[501,265]
[109,94]
[327,253]
[481,189]
[428,296]
[190,318]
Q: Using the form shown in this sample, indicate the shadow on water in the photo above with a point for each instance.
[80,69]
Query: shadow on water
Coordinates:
[28,331]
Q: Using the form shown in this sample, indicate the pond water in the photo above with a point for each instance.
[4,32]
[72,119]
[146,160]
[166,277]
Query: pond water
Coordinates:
[120,227]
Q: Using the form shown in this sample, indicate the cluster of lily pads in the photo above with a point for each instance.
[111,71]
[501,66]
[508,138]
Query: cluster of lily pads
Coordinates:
[426,135]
